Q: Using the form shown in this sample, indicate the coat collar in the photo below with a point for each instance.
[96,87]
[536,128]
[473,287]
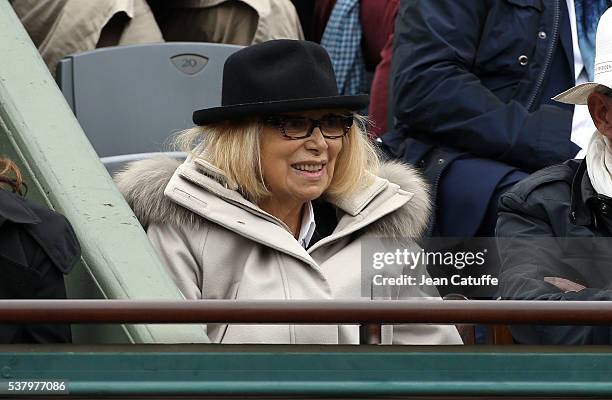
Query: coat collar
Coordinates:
[208,197]
[228,208]
[351,205]
[395,205]
[587,207]
[13,209]
[50,231]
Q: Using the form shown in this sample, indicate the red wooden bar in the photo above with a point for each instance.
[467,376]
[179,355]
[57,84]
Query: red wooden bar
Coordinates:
[308,312]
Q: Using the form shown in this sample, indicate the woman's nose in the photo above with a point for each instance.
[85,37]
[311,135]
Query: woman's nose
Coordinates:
[316,141]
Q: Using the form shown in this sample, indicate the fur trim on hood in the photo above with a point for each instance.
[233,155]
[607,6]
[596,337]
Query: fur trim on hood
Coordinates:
[409,221]
[143,182]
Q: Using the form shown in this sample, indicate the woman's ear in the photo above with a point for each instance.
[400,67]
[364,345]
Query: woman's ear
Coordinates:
[600,107]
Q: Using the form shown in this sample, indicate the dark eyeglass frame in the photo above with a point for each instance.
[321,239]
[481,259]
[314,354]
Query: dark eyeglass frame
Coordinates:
[279,121]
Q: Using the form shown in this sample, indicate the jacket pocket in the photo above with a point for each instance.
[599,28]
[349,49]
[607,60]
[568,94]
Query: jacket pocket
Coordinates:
[508,41]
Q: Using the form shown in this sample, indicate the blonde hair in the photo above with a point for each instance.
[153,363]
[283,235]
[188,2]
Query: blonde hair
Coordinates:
[357,162]
[230,146]
[10,176]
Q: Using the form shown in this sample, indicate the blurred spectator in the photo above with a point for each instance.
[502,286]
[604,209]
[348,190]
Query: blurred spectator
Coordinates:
[572,201]
[342,40]
[62,27]
[322,11]
[373,38]
[305,11]
[472,88]
[241,22]
[37,247]
[378,110]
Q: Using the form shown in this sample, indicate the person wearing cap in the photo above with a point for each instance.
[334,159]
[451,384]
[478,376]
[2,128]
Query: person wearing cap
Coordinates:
[554,227]
[279,193]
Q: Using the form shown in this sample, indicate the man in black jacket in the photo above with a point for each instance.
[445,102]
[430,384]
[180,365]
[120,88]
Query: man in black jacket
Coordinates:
[472,87]
[555,227]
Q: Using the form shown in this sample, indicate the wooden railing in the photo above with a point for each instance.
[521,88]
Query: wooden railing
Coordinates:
[309,311]
[369,314]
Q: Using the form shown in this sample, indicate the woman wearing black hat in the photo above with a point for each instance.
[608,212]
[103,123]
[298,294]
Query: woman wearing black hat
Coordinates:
[279,193]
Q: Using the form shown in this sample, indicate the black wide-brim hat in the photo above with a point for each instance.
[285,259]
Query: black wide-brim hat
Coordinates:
[278,76]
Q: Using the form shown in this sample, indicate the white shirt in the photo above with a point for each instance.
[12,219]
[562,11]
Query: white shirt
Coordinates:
[308,226]
[582,124]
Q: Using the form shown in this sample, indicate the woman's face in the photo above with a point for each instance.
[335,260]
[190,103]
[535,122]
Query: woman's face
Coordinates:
[298,170]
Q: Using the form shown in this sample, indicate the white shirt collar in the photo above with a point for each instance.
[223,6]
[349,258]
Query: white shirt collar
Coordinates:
[308,226]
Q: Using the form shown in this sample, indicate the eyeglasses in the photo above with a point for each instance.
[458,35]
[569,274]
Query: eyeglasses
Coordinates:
[331,126]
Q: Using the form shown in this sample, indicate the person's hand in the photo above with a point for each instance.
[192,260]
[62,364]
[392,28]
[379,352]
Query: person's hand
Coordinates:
[564,284]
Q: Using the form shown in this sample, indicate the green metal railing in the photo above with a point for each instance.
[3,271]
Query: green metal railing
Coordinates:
[335,371]
[286,371]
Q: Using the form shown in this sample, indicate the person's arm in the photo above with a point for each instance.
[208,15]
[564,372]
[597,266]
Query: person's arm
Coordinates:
[438,97]
[48,285]
[533,268]
[52,250]
[179,248]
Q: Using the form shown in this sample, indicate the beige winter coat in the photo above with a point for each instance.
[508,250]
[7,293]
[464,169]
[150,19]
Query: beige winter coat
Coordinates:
[59,28]
[277,19]
[218,245]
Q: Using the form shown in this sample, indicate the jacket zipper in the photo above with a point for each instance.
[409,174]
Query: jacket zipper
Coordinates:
[549,55]
[432,218]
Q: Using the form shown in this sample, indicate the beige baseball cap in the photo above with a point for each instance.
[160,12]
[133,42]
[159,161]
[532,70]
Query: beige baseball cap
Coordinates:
[603,65]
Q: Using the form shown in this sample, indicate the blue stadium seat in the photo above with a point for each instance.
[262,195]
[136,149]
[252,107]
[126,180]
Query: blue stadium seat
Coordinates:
[130,100]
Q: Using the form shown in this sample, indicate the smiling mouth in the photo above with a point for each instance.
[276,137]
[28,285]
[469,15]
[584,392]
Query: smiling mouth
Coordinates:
[309,167]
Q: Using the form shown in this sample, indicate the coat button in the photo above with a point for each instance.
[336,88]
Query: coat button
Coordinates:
[542,35]
[604,208]
[523,60]
[441,161]
[421,164]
